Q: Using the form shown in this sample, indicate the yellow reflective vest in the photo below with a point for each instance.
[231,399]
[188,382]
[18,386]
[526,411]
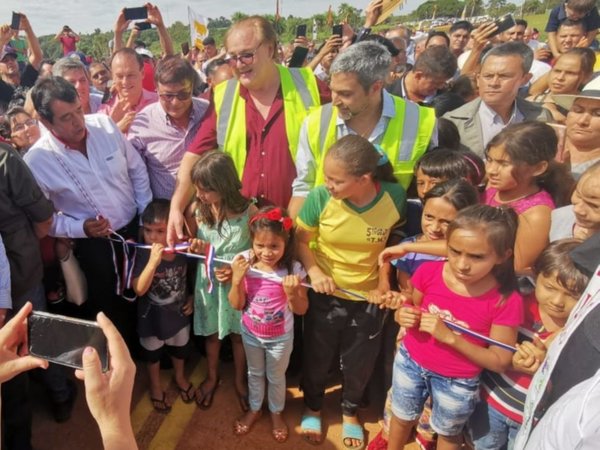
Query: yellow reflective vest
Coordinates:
[300,93]
[405,140]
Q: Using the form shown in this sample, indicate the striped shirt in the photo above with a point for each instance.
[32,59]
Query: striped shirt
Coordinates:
[162,144]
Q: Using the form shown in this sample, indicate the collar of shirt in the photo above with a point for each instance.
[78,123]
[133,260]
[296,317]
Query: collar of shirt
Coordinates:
[489,116]
[387,112]
[194,115]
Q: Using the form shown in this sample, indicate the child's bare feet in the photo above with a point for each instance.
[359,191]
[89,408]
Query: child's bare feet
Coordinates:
[279,428]
[244,424]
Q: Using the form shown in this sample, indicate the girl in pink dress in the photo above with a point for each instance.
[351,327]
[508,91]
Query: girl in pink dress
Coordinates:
[523,175]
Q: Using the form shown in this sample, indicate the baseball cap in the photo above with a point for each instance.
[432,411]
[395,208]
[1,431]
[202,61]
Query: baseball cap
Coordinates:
[144,52]
[7,50]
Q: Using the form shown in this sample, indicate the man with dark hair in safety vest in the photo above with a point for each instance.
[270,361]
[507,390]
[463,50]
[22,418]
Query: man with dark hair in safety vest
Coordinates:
[360,105]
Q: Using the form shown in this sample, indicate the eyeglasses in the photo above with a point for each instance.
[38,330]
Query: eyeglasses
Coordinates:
[21,126]
[181,95]
[245,57]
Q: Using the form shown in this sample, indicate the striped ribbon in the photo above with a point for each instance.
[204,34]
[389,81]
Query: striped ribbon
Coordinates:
[181,249]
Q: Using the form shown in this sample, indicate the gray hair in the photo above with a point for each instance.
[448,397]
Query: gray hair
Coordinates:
[63,65]
[370,61]
[513,49]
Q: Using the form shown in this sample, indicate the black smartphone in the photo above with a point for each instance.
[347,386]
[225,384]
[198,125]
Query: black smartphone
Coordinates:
[143,25]
[62,339]
[16,21]
[298,57]
[504,23]
[136,13]
[185,48]
[301,30]
[337,29]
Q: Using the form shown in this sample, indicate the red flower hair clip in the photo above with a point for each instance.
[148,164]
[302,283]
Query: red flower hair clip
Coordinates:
[275,215]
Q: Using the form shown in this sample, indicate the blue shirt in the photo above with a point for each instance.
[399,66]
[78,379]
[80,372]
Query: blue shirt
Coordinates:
[558,15]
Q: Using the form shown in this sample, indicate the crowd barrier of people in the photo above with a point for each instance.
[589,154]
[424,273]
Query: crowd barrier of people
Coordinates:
[419,209]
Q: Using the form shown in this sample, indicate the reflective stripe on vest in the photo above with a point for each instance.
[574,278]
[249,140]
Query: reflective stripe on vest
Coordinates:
[300,93]
[405,140]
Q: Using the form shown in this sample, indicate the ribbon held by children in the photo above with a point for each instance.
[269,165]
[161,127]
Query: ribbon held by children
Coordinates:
[209,266]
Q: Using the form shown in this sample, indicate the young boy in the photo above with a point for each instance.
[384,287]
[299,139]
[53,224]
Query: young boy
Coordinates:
[164,309]
[575,10]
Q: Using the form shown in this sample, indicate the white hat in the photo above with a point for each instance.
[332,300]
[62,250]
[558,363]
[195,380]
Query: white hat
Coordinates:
[144,52]
[590,90]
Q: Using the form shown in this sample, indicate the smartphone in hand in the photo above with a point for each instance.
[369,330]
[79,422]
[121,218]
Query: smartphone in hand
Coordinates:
[142,26]
[136,13]
[298,57]
[185,48]
[301,30]
[62,340]
[15,23]
[337,29]
[504,23]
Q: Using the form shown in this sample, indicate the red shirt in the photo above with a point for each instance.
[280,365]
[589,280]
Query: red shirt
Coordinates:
[69,44]
[269,169]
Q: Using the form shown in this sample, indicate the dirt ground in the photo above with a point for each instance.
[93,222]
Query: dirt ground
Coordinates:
[187,427]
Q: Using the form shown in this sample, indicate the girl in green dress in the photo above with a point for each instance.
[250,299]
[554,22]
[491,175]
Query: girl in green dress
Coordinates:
[222,216]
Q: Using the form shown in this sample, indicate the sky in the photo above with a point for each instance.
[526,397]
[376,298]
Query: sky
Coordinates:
[49,16]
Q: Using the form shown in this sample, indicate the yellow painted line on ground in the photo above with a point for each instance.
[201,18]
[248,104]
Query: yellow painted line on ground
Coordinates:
[144,407]
[168,435]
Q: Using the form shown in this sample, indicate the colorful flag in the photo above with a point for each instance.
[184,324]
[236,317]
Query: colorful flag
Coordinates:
[209,266]
[198,29]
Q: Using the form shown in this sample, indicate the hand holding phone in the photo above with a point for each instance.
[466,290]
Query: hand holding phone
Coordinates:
[504,23]
[13,335]
[298,57]
[136,13]
[62,339]
[337,30]
[108,394]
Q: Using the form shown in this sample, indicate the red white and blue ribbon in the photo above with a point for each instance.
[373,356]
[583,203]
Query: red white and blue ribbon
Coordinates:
[209,266]
[211,259]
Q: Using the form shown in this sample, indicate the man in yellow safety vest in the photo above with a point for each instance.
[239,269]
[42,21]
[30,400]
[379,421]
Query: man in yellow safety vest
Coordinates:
[255,118]
[360,105]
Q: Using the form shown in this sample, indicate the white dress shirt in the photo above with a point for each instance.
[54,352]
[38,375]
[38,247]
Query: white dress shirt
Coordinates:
[112,175]
[492,123]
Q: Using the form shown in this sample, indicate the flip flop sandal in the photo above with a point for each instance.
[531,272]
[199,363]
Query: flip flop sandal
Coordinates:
[185,394]
[160,405]
[240,429]
[311,424]
[204,399]
[280,434]
[353,431]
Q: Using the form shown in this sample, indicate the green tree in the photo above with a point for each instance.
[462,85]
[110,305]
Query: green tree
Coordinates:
[350,14]
[237,16]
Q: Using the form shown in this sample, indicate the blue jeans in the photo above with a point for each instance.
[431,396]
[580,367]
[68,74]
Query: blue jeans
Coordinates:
[453,399]
[492,430]
[268,357]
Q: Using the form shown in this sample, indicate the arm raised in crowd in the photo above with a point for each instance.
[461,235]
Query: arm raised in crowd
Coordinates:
[35,51]
[155,18]
[481,36]
[120,26]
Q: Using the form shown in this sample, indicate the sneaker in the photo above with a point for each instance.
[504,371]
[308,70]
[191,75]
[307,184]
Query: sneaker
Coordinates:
[62,410]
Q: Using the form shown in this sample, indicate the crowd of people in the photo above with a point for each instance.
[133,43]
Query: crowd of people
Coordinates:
[419,209]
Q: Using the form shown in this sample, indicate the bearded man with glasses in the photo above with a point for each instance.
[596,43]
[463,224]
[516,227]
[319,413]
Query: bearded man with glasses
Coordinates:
[255,117]
[162,131]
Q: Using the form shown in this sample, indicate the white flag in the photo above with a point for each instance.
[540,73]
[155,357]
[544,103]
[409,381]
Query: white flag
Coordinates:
[198,28]
[314,30]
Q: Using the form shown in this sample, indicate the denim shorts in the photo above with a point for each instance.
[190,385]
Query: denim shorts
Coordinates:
[454,399]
